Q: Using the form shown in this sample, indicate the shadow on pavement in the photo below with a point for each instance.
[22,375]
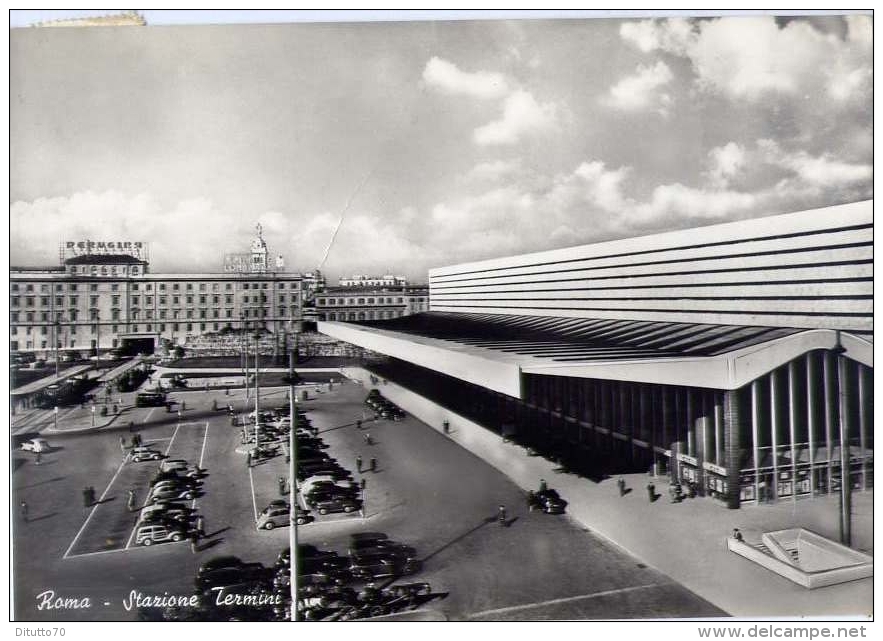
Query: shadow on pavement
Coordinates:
[457,539]
[52,480]
[49,515]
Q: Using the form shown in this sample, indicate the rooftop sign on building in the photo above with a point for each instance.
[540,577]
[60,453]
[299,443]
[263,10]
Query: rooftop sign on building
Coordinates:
[136,249]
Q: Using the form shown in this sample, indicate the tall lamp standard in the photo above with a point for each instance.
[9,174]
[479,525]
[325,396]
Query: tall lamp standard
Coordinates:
[292,485]
[57,327]
[257,391]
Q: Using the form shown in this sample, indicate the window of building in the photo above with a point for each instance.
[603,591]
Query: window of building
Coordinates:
[13,345]
[42,344]
[215,287]
[202,327]
[149,327]
[72,287]
[94,329]
[215,313]
[93,287]
[15,301]
[59,288]
[321,301]
[162,287]
[281,311]
[115,342]
[162,313]
[134,328]
[93,301]
[175,327]
[136,300]
[14,287]
[162,300]
[44,301]
[370,301]
[162,327]
[228,313]
[190,300]
[93,314]
[401,300]
[176,300]
[115,301]
[215,326]
[202,287]
[115,315]
[228,286]
[176,287]
[134,287]
[244,285]
[150,287]
[361,301]
[104,270]
[149,314]
[30,317]
[114,287]
[189,327]
[189,313]
[135,269]
[73,329]
[245,299]
[14,317]
[44,316]
[29,288]
[202,313]
[216,300]
[94,270]
[148,300]
[202,299]
[73,314]
[29,301]
[134,314]
[189,287]
[228,300]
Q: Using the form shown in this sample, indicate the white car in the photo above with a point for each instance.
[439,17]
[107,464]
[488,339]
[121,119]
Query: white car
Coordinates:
[35,445]
[145,454]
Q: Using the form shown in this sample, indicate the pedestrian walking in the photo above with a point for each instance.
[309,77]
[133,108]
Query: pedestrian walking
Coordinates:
[122,444]
[363,483]
[501,515]
[543,486]
[281,482]
[37,458]
[137,439]
[200,527]
[447,427]
[23,508]
[183,405]
[131,426]
[531,500]
[194,542]
[130,502]
[359,463]
[651,492]
[214,405]
[91,495]
[87,502]
[620,483]
[368,440]
[373,464]
[180,412]
[248,459]
[358,423]
[737,534]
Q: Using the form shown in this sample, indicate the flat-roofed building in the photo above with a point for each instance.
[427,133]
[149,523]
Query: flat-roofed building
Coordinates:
[736,357]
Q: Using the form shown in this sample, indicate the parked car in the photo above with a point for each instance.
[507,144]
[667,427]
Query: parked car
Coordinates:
[241,579]
[550,502]
[150,399]
[175,484]
[177,511]
[159,533]
[140,454]
[373,566]
[326,482]
[273,516]
[35,445]
[167,494]
[327,492]
[337,504]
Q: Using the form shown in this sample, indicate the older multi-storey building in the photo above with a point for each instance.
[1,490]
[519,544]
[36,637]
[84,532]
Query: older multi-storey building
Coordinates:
[105,297]
[363,280]
[367,303]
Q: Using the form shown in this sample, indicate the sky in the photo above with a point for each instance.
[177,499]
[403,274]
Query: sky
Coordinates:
[439,142]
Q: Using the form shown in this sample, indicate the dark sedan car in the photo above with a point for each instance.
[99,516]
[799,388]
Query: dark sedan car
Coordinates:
[373,566]
[337,504]
[550,503]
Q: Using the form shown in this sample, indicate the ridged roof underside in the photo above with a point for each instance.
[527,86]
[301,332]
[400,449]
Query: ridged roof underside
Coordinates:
[575,339]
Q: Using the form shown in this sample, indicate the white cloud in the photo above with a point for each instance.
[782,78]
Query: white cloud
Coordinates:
[494,170]
[522,114]
[673,35]
[726,162]
[447,77]
[640,91]
[816,171]
[750,57]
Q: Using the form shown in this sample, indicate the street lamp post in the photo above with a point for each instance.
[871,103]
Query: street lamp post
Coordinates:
[292,484]
[257,392]
[57,327]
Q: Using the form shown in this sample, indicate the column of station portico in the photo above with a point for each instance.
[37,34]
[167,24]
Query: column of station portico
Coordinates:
[740,445]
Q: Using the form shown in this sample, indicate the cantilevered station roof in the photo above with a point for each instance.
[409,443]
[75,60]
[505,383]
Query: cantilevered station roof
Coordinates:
[494,349]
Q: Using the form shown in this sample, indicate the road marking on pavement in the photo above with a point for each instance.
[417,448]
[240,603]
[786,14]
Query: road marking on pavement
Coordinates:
[201,456]
[254,501]
[570,599]
[94,507]
[146,418]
